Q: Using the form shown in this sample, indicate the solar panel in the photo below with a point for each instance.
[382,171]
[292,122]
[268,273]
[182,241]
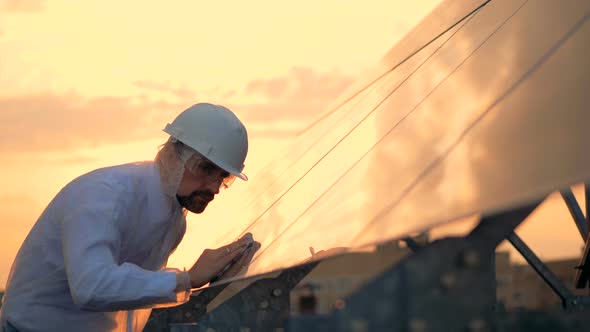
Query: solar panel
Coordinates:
[481,108]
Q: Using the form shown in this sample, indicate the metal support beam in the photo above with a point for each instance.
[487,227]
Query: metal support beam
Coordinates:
[411,243]
[494,229]
[587,200]
[161,319]
[262,306]
[583,273]
[551,279]
[576,212]
[265,303]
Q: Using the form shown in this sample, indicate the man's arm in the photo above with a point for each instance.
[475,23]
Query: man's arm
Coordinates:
[91,242]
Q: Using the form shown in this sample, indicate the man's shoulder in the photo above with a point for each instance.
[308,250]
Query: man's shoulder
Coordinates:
[119,177]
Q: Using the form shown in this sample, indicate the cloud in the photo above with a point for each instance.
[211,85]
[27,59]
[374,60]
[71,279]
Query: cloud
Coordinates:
[300,85]
[168,88]
[51,122]
[275,87]
[19,6]
[300,95]
[22,6]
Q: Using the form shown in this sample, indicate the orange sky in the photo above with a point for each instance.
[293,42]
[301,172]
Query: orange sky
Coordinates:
[85,84]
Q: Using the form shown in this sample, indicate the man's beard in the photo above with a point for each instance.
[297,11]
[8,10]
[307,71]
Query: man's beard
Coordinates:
[197,201]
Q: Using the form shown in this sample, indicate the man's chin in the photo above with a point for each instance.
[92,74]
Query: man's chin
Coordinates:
[193,204]
[197,211]
[197,208]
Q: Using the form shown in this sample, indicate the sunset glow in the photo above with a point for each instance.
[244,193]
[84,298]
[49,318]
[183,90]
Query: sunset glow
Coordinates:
[90,84]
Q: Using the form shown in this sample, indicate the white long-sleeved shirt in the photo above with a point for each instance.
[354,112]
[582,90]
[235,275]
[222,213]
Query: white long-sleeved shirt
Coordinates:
[94,259]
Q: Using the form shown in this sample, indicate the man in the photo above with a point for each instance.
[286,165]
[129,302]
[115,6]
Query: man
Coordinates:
[94,260]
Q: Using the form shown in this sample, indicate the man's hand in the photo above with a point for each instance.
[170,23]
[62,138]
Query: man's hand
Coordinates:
[213,261]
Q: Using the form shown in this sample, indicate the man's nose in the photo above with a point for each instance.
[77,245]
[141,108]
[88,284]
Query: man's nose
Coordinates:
[214,185]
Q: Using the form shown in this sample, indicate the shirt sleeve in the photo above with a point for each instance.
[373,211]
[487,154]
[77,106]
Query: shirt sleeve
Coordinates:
[91,244]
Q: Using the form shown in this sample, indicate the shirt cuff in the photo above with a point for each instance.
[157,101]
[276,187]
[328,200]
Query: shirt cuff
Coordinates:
[183,286]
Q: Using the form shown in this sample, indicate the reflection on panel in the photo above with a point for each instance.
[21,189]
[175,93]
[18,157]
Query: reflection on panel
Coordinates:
[529,140]
[489,116]
[263,197]
[356,194]
[438,22]
[357,134]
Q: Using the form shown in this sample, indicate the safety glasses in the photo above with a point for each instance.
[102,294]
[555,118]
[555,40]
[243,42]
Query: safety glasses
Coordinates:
[202,167]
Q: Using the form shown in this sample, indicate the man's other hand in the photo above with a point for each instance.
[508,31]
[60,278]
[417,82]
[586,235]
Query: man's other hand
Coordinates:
[213,261]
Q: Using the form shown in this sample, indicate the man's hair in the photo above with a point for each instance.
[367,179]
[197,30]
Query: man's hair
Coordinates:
[171,165]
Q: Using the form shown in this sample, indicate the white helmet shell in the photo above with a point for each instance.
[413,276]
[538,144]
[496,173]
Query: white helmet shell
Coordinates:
[215,132]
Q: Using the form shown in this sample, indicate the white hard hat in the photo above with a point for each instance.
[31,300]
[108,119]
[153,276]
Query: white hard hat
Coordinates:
[215,132]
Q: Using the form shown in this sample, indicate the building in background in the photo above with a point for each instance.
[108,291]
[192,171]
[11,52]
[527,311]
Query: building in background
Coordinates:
[520,287]
[336,277]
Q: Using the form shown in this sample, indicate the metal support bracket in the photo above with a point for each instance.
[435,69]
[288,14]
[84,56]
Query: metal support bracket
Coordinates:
[161,319]
[583,273]
[551,279]
[576,212]
[262,306]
